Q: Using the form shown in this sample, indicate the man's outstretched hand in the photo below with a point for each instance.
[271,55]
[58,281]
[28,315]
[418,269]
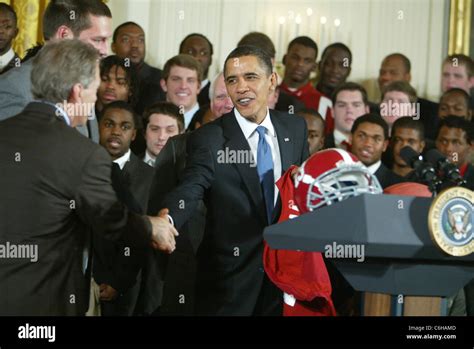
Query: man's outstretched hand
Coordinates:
[163,232]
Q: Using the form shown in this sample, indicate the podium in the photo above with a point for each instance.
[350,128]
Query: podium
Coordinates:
[399,257]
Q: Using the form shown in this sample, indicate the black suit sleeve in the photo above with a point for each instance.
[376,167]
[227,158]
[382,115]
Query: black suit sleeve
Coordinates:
[97,205]
[305,150]
[197,177]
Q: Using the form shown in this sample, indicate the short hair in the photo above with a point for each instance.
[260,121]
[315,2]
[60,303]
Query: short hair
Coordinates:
[212,86]
[405,61]
[304,41]
[463,93]
[52,78]
[312,112]
[401,86]
[371,118]
[260,40]
[165,108]
[59,12]
[452,121]
[249,50]
[123,106]
[116,31]
[109,62]
[7,8]
[409,122]
[185,61]
[350,86]
[337,45]
[211,48]
[464,60]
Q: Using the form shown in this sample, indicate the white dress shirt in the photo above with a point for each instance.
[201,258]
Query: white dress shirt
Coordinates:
[121,161]
[249,130]
[188,116]
[6,58]
[374,167]
[148,159]
[339,137]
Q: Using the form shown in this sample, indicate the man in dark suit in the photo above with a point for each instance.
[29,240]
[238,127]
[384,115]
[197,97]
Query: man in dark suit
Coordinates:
[232,165]
[8,31]
[56,186]
[91,24]
[200,47]
[128,42]
[369,139]
[397,67]
[117,267]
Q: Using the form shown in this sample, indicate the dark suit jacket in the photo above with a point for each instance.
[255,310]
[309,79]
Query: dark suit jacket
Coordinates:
[178,270]
[469,177]
[58,187]
[230,272]
[386,177]
[203,96]
[429,117]
[149,88]
[111,265]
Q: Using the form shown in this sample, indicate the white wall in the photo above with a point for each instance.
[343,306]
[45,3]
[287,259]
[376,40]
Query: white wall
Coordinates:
[371,28]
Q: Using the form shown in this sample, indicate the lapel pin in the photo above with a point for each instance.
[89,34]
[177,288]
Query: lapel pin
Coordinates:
[287,139]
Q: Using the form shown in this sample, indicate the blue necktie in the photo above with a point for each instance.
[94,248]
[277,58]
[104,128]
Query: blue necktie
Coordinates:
[265,171]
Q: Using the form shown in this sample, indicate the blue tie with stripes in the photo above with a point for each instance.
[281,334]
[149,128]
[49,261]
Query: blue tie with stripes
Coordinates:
[265,171]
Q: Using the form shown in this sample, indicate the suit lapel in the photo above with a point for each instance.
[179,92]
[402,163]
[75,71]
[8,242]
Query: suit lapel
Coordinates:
[285,141]
[236,141]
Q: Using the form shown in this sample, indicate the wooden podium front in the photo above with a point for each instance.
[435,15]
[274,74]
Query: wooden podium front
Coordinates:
[380,304]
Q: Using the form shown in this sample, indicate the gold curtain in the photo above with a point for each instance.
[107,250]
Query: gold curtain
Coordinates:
[459,26]
[30,14]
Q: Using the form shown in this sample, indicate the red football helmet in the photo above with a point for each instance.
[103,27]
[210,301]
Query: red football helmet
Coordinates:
[329,176]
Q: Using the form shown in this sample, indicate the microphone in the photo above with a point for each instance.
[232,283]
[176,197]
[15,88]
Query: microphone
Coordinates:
[424,171]
[449,170]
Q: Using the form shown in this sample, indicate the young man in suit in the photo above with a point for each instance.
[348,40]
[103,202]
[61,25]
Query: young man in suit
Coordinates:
[349,103]
[91,24]
[397,67]
[57,188]
[8,31]
[198,46]
[117,267]
[129,43]
[369,139]
[161,121]
[233,164]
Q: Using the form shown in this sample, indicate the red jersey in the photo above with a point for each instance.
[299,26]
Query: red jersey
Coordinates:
[313,99]
[301,275]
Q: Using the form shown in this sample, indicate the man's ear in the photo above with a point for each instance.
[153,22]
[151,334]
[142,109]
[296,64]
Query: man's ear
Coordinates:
[367,109]
[113,47]
[284,60]
[163,85]
[471,82]
[423,144]
[134,134]
[76,93]
[64,32]
[408,77]
[385,145]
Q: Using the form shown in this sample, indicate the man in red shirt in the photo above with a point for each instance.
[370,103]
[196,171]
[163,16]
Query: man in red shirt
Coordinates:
[300,61]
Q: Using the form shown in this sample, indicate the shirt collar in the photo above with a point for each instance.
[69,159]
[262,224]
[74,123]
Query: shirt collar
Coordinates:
[249,127]
[339,137]
[58,111]
[374,167]
[148,158]
[6,58]
[188,116]
[121,161]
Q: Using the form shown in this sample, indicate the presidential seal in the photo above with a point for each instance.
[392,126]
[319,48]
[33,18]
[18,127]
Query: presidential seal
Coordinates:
[451,221]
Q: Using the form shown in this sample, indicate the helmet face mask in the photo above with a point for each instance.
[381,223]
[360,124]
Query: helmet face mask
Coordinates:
[331,176]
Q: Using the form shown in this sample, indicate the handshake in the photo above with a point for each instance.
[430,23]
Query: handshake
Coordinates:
[163,235]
